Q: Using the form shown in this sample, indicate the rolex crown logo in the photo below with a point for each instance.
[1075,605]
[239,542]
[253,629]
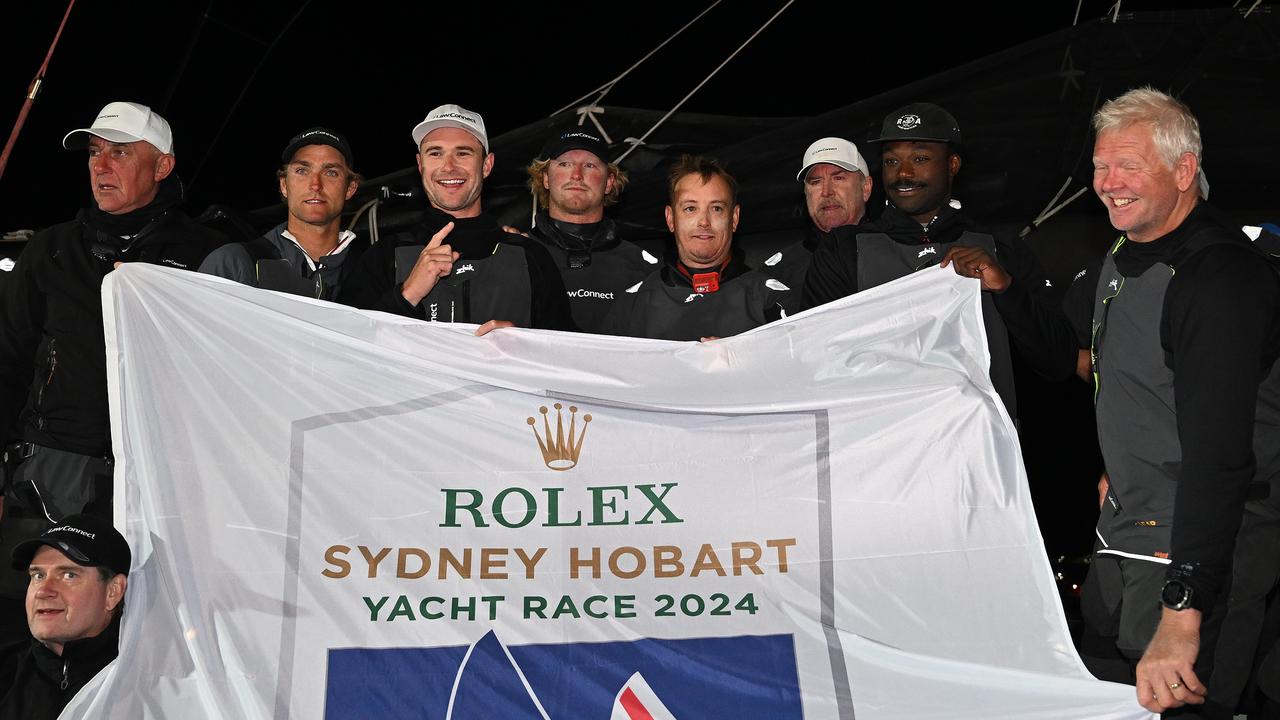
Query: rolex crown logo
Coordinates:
[559,452]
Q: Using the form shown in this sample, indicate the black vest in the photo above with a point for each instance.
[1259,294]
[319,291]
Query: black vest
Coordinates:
[275,273]
[1137,416]
[882,260]
[595,278]
[489,288]
[663,312]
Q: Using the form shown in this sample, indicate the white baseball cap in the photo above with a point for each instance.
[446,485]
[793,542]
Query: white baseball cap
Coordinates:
[124,122]
[836,151]
[452,116]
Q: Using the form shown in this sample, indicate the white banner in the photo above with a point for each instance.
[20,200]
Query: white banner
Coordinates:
[340,514]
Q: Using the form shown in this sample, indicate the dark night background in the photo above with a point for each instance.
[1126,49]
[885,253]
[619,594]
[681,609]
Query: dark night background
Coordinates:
[373,70]
[236,79]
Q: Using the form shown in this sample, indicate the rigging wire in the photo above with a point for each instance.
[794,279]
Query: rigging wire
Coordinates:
[32,91]
[605,88]
[226,118]
[636,142]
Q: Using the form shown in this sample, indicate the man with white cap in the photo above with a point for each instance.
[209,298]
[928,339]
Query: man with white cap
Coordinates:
[309,253]
[837,184]
[53,375]
[77,573]
[459,265]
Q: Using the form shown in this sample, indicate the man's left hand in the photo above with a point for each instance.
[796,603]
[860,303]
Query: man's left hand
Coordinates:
[1165,676]
[975,262]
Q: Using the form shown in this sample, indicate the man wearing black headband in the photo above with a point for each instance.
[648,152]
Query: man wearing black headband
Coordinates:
[309,253]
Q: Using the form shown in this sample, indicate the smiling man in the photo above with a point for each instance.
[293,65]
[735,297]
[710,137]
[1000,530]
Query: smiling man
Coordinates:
[574,183]
[53,377]
[458,264]
[707,290]
[1186,333]
[77,576]
[309,253]
[920,151]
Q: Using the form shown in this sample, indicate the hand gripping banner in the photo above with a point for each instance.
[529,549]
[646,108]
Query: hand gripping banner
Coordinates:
[341,514]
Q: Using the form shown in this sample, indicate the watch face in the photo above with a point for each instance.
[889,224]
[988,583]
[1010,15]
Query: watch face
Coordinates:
[1175,595]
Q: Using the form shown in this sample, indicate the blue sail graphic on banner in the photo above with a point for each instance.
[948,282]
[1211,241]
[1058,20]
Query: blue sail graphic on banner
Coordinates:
[746,676]
[490,684]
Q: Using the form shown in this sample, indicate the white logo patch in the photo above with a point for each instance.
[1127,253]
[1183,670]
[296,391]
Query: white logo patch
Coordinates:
[1080,274]
[908,122]
[465,268]
[644,254]
[692,297]
[927,251]
[635,288]
[775,285]
[1047,283]
[1113,284]
[774,259]
[6,264]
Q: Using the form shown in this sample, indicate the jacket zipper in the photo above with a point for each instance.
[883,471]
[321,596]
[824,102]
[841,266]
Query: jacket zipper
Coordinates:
[65,680]
[53,366]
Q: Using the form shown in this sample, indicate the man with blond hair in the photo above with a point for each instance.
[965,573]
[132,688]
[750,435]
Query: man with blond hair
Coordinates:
[573,183]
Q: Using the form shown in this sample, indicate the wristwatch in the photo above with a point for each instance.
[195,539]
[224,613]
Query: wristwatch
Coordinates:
[1176,595]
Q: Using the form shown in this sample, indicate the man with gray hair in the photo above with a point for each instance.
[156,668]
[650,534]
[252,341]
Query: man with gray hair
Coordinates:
[1186,332]
[53,375]
[837,184]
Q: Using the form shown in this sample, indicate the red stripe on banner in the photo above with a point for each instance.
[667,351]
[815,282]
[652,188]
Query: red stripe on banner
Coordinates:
[633,706]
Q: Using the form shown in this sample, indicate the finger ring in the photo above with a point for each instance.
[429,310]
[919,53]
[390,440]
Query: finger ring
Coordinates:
[1175,686]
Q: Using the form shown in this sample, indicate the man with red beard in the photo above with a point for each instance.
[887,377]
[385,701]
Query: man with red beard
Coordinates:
[459,265]
[920,150]
[574,183]
[309,253]
[837,184]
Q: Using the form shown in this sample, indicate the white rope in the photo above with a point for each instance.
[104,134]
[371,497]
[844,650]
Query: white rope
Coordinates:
[1046,215]
[1076,19]
[1065,184]
[636,142]
[605,88]
[591,111]
[1115,12]
[363,208]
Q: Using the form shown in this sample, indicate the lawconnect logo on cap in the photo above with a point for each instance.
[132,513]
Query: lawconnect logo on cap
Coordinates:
[452,116]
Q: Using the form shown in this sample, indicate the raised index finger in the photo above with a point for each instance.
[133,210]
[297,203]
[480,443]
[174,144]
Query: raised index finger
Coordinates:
[440,235]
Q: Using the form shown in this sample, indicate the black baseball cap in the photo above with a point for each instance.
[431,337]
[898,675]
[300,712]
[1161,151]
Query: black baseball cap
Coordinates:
[575,139]
[920,121]
[319,136]
[87,540]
